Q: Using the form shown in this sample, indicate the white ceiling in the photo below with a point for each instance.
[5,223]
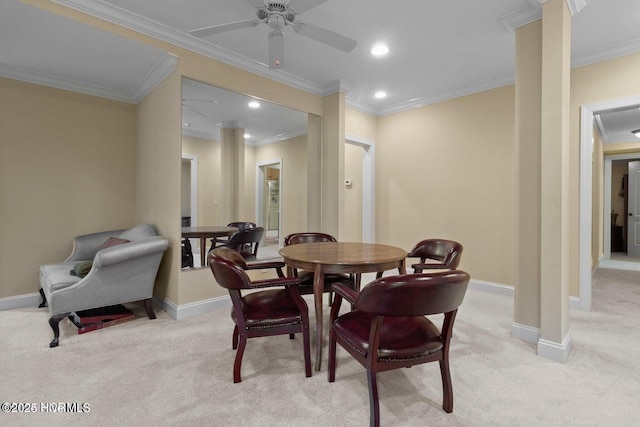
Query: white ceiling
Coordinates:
[439,50]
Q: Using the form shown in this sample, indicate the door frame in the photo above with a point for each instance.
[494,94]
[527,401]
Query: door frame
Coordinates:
[260,184]
[587,117]
[368,185]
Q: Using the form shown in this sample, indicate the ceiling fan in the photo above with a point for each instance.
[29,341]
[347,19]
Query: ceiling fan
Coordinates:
[278,14]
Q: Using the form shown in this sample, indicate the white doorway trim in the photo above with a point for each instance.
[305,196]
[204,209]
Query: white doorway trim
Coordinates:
[587,112]
[194,187]
[368,185]
[260,180]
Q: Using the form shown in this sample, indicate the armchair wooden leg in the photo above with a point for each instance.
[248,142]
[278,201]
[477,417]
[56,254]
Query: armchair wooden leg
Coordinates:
[306,342]
[237,364]
[374,407]
[44,299]
[234,339]
[148,306]
[447,388]
[54,323]
[331,369]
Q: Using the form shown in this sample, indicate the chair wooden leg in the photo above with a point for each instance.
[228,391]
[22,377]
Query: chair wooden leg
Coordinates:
[331,370]
[237,364]
[148,306]
[306,342]
[447,388]
[374,407]
[54,322]
[234,339]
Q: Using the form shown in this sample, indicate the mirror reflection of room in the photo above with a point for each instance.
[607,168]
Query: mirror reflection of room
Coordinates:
[243,159]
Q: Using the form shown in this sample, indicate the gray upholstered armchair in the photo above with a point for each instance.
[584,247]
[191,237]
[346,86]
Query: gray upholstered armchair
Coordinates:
[104,269]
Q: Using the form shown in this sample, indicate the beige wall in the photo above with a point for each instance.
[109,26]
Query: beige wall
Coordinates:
[209,175]
[158,175]
[67,167]
[445,170]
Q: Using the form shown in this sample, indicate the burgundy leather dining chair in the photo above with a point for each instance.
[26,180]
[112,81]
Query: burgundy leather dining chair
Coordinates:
[306,277]
[446,254]
[266,312]
[240,225]
[246,242]
[387,329]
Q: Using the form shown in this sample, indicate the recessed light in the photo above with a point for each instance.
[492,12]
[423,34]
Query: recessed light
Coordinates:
[254,104]
[247,136]
[380,94]
[187,124]
[379,49]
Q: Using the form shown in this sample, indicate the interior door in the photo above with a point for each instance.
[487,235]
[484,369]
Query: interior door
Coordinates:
[633,229]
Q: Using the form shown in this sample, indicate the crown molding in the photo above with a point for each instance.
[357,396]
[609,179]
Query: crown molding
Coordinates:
[335,87]
[480,86]
[533,11]
[278,138]
[520,16]
[621,49]
[161,70]
[198,134]
[575,6]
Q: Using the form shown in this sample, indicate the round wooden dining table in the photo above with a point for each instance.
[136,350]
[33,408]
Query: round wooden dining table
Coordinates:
[336,258]
[206,232]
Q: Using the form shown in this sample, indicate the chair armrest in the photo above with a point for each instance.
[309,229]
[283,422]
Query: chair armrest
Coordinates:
[266,264]
[280,281]
[86,246]
[131,250]
[429,266]
[345,292]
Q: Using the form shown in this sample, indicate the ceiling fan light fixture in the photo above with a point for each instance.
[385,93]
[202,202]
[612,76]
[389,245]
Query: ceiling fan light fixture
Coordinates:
[636,133]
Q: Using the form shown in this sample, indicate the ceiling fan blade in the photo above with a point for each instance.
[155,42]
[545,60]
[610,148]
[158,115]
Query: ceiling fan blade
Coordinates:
[276,49]
[304,5]
[325,36]
[207,31]
[256,3]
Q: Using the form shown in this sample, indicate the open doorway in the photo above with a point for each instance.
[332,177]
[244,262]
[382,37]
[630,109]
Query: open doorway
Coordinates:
[365,176]
[269,202]
[588,114]
[618,230]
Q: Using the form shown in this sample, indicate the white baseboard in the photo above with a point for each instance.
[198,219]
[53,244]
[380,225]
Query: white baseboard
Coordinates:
[494,288]
[558,352]
[525,333]
[194,309]
[619,264]
[20,301]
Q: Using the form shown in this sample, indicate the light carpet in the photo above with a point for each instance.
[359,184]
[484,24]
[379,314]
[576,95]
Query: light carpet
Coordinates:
[167,372]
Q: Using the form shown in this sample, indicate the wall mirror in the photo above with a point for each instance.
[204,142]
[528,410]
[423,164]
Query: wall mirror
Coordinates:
[243,159]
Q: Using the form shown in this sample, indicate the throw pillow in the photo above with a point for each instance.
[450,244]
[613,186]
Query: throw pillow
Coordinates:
[81,268]
[113,241]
